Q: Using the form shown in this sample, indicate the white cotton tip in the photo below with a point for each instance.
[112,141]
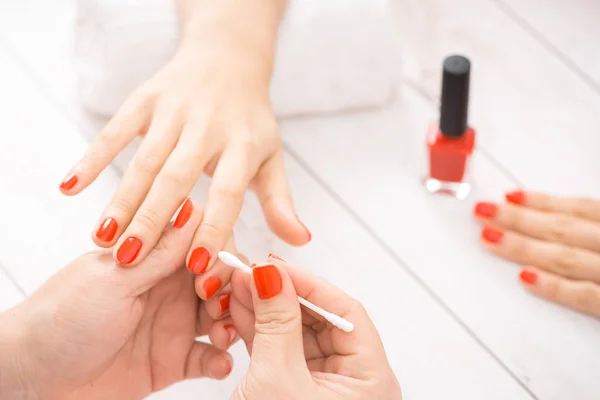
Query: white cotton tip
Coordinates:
[341,323]
[233,261]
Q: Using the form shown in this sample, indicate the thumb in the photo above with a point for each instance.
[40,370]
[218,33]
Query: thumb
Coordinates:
[278,320]
[273,192]
[168,255]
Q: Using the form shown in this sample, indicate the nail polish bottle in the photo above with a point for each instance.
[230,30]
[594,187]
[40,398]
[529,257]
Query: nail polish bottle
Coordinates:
[450,141]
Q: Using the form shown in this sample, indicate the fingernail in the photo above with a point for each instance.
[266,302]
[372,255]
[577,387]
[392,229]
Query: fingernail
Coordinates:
[224,303]
[528,277]
[267,280]
[199,260]
[69,182]
[276,257]
[517,197]
[305,228]
[129,250]
[486,210]
[232,332]
[211,285]
[106,231]
[184,214]
[492,235]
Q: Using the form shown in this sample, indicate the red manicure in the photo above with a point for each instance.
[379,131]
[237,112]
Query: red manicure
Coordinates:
[106,231]
[486,210]
[224,303]
[276,257]
[517,197]
[528,277]
[199,260]
[267,280]
[129,250]
[211,285]
[69,182]
[184,214]
[492,235]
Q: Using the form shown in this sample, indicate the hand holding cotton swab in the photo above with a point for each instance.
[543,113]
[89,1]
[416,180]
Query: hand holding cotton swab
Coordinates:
[334,319]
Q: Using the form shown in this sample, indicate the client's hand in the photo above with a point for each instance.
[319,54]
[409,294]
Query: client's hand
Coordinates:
[294,354]
[556,239]
[97,331]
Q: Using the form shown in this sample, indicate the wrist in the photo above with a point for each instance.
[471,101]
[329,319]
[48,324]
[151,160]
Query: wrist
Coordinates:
[15,380]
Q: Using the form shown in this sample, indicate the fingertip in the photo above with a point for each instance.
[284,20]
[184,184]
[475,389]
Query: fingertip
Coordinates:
[221,366]
[287,225]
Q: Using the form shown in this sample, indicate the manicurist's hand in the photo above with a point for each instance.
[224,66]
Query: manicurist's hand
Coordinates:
[294,354]
[98,331]
[207,111]
[557,241]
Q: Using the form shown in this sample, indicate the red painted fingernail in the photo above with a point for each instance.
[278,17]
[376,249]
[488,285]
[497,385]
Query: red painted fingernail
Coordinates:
[486,210]
[69,182]
[276,257]
[199,260]
[517,197]
[129,250]
[184,214]
[232,332]
[106,231]
[211,285]
[492,235]
[267,280]
[528,277]
[224,303]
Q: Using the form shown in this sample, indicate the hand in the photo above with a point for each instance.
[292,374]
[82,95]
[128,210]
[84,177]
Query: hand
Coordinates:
[294,353]
[97,331]
[555,238]
[207,111]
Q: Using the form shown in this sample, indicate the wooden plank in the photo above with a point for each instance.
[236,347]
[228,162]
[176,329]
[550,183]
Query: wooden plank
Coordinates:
[424,344]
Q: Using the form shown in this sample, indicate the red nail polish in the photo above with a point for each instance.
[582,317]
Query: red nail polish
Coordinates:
[517,197]
[528,277]
[267,280]
[211,285]
[129,250]
[232,332]
[69,182]
[492,235]
[224,303]
[486,210]
[106,231]
[451,142]
[199,260]
[276,257]
[184,214]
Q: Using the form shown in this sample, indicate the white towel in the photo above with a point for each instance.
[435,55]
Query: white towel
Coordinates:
[332,55]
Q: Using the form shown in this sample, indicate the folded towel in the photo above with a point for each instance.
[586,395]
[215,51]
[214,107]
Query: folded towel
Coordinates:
[332,55]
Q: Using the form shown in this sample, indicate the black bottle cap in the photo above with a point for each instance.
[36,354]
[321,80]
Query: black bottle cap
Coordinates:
[455,96]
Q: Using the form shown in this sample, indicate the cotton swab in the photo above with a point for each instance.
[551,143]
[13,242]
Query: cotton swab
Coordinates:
[336,320]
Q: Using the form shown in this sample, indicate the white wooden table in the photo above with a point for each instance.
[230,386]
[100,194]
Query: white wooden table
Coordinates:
[455,321]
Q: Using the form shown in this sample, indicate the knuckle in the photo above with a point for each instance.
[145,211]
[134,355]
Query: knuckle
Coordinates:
[584,208]
[567,260]
[148,220]
[229,192]
[276,322]
[177,179]
[553,290]
[560,228]
[123,206]
[520,250]
[148,164]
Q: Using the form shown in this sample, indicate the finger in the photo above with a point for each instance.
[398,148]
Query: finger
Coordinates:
[218,306]
[210,284]
[223,334]
[205,360]
[167,256]
[131,120]
[582,296]
[579,207]
[273,192]
[548,226]
[173,183]
[243,321]
[137,179]
[560,259]
[225,199]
